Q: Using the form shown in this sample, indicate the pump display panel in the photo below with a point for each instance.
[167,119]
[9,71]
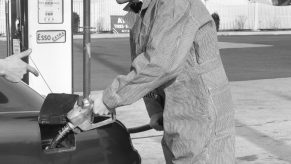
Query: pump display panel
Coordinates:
[50,11]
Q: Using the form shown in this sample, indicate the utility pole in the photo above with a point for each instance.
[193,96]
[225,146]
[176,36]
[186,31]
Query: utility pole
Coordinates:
[19,31]
[86,51]
[256,18]
[8,37]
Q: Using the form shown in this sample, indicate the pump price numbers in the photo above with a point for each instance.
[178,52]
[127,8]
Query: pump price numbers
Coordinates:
[50,11]
[51,36]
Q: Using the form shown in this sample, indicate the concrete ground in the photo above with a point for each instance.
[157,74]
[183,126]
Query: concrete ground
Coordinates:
[263,124]
[259,73]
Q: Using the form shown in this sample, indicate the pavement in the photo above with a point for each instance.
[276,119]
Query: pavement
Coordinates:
[263,124]
[263,117]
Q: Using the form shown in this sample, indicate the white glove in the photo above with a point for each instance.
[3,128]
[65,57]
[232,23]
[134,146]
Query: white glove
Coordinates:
[99,107]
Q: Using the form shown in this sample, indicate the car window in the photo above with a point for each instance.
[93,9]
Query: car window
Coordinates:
[18,97]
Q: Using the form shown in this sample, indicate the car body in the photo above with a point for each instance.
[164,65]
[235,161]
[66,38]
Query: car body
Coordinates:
[23,138]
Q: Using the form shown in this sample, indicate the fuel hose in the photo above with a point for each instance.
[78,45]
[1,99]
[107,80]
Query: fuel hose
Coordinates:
[143,128]
[139,129]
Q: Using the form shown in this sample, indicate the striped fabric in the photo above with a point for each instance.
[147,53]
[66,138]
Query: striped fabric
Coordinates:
[175,50]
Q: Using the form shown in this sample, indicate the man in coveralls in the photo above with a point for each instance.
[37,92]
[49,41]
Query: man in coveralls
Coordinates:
[176,53]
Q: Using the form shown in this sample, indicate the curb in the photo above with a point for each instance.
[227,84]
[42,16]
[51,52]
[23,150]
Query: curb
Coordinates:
[228,33]
[103,36]
[222,33]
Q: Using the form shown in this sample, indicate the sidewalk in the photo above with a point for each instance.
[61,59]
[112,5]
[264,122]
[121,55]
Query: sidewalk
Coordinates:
[263,124]
[227,33]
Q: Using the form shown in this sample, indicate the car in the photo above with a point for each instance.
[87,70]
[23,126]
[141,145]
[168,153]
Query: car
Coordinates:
[26,130]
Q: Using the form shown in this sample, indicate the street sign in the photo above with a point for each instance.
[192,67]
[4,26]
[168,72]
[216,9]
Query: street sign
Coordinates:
[16,46]
[51,36]
[50,11]
[118,24]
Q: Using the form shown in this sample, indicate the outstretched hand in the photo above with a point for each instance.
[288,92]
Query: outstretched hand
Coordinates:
[13,68]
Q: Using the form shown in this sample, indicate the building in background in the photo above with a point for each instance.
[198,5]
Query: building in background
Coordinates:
[281,2]
[2,18]
[274,2]
[101,12]
[234,14]
[269,2]
[227,2]
[242,2]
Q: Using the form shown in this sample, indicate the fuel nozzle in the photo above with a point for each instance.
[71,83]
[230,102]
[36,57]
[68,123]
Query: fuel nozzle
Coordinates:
[65,130]
[81,117]
[81,113]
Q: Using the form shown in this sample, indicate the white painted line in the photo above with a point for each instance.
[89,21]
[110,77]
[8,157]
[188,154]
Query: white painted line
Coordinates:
[228,45]
[19,112]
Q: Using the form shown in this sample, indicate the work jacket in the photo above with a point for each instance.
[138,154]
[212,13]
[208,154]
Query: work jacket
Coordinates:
[177,53]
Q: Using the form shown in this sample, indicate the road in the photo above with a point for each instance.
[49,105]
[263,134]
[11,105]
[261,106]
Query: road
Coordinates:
[258,62]
[263,57]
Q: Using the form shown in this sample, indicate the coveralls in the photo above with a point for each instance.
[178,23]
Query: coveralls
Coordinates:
[177,52]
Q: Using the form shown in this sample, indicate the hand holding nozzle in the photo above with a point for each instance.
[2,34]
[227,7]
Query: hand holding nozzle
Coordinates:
[99,108]
[81,117]
[77,116]
[81,113]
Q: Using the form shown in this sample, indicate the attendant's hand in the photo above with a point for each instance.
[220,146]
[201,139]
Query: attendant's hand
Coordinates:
[13,68]
[157,121]
[99,107]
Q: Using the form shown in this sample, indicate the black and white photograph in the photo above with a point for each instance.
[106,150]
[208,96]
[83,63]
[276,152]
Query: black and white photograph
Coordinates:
[145,81]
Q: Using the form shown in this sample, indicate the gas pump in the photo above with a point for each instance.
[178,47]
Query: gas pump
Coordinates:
[50,38]
[45,27]
[17,40]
